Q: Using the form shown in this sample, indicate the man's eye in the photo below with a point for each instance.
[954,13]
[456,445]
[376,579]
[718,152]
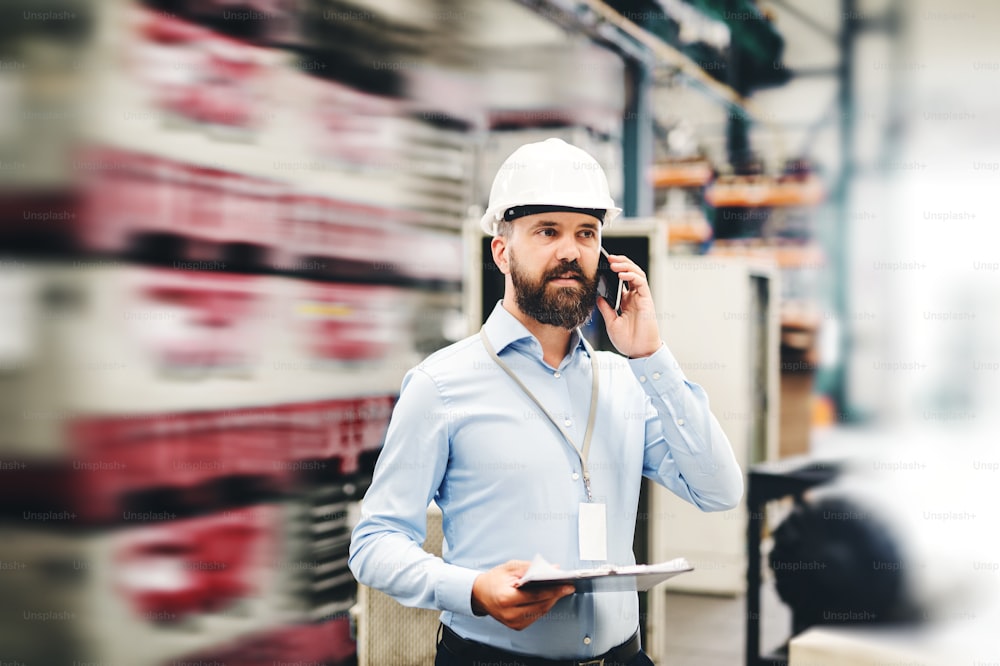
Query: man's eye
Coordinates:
[548,232]
[588,234]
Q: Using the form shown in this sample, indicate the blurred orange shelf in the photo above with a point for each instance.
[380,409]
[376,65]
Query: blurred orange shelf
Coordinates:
[681,174]
[756,191]
[687,226]
[688,232]
[785,256]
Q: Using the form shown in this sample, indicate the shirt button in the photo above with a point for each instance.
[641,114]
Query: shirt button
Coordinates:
[656,375]
[680,422]
[642,379]
[556,374]
[576,476]
[586,640]
[567,423]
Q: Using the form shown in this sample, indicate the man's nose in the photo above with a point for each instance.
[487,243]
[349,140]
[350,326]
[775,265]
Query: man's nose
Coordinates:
[567,248]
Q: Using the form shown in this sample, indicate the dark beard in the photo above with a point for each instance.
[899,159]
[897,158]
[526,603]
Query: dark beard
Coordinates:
[566,307]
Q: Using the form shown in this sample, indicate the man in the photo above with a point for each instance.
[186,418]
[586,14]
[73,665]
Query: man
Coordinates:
[524,452]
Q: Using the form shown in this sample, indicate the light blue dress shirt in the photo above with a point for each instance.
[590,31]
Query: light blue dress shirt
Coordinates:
[465,435]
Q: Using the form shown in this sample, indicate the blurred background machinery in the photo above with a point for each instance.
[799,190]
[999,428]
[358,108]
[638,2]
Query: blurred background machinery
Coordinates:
[229,227]
[226,234]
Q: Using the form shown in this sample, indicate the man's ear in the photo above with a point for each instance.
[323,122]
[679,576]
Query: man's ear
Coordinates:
[500,256]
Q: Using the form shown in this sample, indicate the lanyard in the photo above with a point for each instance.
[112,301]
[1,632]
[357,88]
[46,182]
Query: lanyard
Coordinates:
[581,454]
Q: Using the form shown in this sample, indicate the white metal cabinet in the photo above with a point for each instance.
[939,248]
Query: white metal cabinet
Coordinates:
[721,323]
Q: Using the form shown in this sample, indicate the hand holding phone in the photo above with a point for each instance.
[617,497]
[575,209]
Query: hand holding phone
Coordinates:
[609,285]
[631,320]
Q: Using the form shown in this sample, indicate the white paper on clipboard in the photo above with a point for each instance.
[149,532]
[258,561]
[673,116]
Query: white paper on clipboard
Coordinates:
[637,577]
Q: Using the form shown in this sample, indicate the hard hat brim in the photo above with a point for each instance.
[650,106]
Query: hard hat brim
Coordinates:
[488,222]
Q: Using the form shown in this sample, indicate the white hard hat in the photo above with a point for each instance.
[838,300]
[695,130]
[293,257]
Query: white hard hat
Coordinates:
[549,173]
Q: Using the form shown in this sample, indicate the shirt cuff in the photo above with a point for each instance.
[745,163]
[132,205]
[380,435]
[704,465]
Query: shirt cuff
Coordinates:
[659,372]
[454,590]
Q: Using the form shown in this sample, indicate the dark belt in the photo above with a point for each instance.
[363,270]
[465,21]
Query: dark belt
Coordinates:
[485,654]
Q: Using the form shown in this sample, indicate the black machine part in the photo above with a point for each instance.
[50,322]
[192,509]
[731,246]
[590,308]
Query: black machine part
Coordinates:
[835,561]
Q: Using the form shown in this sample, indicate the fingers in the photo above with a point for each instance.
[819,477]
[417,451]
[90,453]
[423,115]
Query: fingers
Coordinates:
[519,617]
[635,332]
[536,605]
[619,262]
[494,594]
[542,594]
[607,311]
[629,272]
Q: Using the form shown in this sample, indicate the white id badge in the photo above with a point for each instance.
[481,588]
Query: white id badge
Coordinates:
[593,531]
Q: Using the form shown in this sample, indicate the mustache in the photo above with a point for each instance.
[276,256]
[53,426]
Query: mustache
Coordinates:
[572,268]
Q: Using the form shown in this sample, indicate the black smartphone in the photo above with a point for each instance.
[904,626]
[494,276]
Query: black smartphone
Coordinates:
[608,284]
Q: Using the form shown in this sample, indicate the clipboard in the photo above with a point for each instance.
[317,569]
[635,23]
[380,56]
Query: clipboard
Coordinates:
[631,578]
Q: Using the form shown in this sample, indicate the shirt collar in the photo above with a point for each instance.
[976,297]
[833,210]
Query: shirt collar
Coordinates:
[503,329]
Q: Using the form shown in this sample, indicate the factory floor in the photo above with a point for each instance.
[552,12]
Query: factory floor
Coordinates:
[710,631]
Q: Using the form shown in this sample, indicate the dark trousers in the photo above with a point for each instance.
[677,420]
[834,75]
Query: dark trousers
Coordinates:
[447,658]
